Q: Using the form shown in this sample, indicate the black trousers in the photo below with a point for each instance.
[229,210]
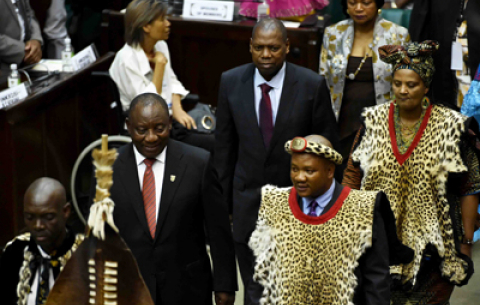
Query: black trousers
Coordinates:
[246,262]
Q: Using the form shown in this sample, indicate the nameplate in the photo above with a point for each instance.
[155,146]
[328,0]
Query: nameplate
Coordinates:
[12,95]
[208,10]
[84,58]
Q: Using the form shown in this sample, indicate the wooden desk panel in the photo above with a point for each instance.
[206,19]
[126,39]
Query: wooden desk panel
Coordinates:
[201,50]
[44,134]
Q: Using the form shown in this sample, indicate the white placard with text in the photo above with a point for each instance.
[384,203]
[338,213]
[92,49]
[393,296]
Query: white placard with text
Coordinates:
[83,58]
[12,95]
[457,56]
[208,10]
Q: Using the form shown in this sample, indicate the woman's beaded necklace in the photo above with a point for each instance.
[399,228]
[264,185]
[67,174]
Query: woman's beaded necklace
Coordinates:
[406,134]
[352,76]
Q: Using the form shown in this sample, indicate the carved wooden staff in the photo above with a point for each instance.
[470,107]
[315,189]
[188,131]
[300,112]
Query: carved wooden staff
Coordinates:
[103,270]
[102,209]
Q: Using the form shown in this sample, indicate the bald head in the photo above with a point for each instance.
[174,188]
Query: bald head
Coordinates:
[323,141]
[270,25]
[45,212]
[319,139]
[44,188]
[148,99]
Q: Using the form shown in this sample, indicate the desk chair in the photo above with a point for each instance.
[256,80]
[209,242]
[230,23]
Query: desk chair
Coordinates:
[81,178]
[398,16]
[115,104]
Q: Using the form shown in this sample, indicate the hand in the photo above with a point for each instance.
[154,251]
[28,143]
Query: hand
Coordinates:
[33,52]
[158,58]
[183,118]
[224,298]
[466,249]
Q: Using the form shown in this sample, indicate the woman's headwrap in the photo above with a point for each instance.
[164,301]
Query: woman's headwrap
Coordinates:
[414,56]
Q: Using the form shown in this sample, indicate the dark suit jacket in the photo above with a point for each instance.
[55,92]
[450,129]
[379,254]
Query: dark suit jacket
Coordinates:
[436,20]
[12,49]
[243,163]
[175,265]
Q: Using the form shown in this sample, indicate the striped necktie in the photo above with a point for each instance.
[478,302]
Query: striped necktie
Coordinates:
[149,196]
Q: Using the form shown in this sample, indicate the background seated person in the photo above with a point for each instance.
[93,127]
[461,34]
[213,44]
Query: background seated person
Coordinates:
[32,261]
[55,29]
[143,65]
[349,62]
[20,36]
[294,10]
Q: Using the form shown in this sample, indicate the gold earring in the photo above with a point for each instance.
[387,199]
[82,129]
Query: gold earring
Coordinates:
[348,12]
[379,11]
[426,103]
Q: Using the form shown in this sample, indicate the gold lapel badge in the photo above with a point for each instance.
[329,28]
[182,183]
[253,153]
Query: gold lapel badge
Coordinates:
[172,178]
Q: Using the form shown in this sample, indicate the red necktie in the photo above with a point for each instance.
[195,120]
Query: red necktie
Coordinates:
[266,118]
[149,196]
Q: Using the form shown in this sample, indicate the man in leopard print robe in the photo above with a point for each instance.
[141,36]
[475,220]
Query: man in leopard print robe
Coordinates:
[320,242]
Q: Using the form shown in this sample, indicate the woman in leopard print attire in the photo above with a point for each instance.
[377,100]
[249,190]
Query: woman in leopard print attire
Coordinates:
[424,157]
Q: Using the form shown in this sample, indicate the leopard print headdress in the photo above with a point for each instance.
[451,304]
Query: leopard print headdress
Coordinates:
[414,56]
[301,145]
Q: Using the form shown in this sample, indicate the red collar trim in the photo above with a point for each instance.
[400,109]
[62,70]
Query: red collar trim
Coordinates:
[393,137]
[298,213]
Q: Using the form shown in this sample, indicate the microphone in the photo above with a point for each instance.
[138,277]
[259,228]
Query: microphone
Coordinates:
[38,63]
[27,75]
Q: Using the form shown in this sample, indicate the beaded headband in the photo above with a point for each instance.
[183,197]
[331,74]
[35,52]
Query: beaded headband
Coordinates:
[301,145]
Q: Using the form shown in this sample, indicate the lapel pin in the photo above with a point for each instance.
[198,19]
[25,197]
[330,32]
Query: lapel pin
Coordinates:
[172,178]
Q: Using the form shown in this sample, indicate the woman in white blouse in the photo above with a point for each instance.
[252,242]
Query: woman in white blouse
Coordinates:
[143,64]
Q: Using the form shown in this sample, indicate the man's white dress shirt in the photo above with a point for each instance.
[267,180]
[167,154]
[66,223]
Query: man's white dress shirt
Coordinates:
[32,296]
[275,94]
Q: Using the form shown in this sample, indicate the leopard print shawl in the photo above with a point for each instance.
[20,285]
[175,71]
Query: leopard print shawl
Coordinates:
[415,183]
[304,263]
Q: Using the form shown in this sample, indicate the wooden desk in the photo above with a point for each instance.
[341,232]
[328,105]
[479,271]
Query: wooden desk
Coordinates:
[44,134]
[201,50]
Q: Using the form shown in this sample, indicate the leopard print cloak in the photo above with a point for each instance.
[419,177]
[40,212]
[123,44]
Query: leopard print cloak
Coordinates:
[303,263]
[415,183]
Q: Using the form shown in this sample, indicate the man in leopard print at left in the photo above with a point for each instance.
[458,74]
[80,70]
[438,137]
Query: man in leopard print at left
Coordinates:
[32,261]
[319,242]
